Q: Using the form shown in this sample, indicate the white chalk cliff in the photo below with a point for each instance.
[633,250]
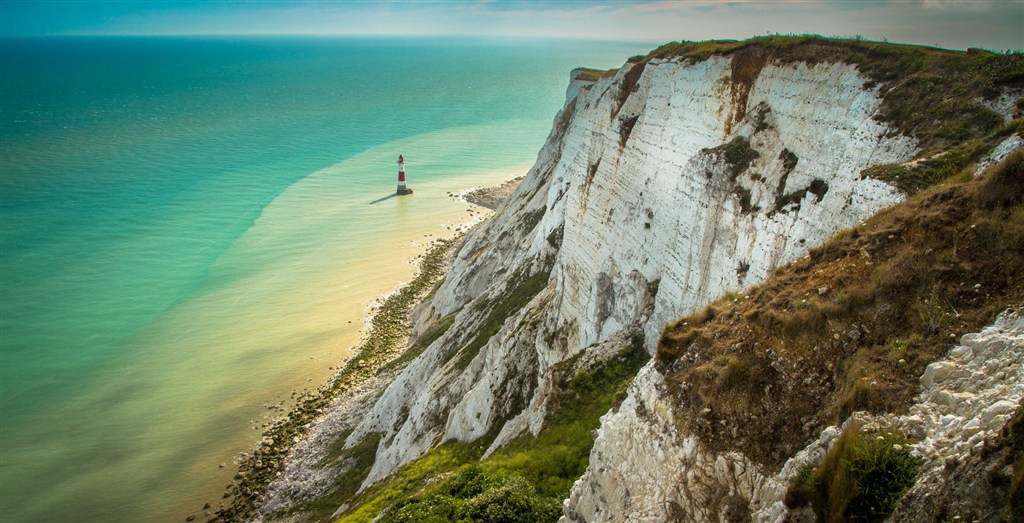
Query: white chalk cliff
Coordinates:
[659,188]
[627,194]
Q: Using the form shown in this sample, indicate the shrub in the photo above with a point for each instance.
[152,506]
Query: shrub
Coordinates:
[737,155]
[626,128]
[473,495]
[511,501]
[653,286]
[789,160]
[861,478]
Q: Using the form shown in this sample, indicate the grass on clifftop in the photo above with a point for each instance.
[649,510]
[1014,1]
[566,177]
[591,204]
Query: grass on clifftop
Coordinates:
[851,326]
[933,95]
[526,480]
[593,75]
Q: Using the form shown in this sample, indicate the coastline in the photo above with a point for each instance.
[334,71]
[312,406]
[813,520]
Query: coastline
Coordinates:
[389,331]
[491,197]
[386,341]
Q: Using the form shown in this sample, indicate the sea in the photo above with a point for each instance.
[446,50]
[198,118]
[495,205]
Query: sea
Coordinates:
[192,230]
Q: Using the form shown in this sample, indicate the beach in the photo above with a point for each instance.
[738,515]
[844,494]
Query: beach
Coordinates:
[341,302]
[196,233]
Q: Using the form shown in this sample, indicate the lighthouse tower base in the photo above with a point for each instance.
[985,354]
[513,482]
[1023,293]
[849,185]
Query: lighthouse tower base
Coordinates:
[403,190]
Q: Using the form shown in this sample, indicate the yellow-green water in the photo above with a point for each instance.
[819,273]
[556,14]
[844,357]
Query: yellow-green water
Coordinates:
[187,236]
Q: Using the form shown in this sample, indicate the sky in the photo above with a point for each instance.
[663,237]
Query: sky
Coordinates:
[957,24]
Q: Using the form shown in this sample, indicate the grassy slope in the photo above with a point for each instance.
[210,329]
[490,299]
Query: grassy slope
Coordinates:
[525,480]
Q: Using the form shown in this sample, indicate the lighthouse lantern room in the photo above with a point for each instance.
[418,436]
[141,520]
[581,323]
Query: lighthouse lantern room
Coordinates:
[402,189]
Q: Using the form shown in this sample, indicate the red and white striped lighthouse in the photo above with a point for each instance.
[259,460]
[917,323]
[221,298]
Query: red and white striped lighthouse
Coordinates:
[402,189]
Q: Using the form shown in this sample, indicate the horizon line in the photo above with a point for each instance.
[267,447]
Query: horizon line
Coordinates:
[406,36]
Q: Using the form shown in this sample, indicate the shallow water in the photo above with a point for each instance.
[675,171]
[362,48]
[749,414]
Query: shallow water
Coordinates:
[187,236]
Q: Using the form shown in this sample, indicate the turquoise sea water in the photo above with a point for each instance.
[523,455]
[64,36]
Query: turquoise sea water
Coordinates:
[186,236]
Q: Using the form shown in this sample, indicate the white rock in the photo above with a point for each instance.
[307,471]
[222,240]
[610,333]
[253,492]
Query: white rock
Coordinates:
[937,372]
[1007,146]
[996,409]
[963,353]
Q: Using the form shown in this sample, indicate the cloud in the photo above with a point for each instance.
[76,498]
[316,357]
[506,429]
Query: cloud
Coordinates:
[977,6]
[955,24]
[677,5]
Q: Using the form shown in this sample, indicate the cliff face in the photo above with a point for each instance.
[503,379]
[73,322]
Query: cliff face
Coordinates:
[636,186]
[660,188]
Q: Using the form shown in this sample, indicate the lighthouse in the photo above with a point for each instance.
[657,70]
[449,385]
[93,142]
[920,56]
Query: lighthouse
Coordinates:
[402,189]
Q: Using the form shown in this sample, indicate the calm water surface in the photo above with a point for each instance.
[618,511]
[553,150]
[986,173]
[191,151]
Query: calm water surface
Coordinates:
[186,236]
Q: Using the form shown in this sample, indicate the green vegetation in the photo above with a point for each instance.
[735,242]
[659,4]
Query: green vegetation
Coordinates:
[818,188]
[737,155]
[532,219]
[744,195]
[782,199]
[519,292]
[524,480]
[761,117]
[559,454]
[789,161]
[653,286]
[626,125]
[412,478]
[741,270]
[862,478]
[630,82]
[593,75]
[852,326]
[358,460]
[429,336]
[592,172]
[911,177]
[474,495]
[386,341]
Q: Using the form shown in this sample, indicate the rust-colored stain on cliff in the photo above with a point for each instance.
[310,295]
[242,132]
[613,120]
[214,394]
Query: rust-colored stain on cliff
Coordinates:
[745,67]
